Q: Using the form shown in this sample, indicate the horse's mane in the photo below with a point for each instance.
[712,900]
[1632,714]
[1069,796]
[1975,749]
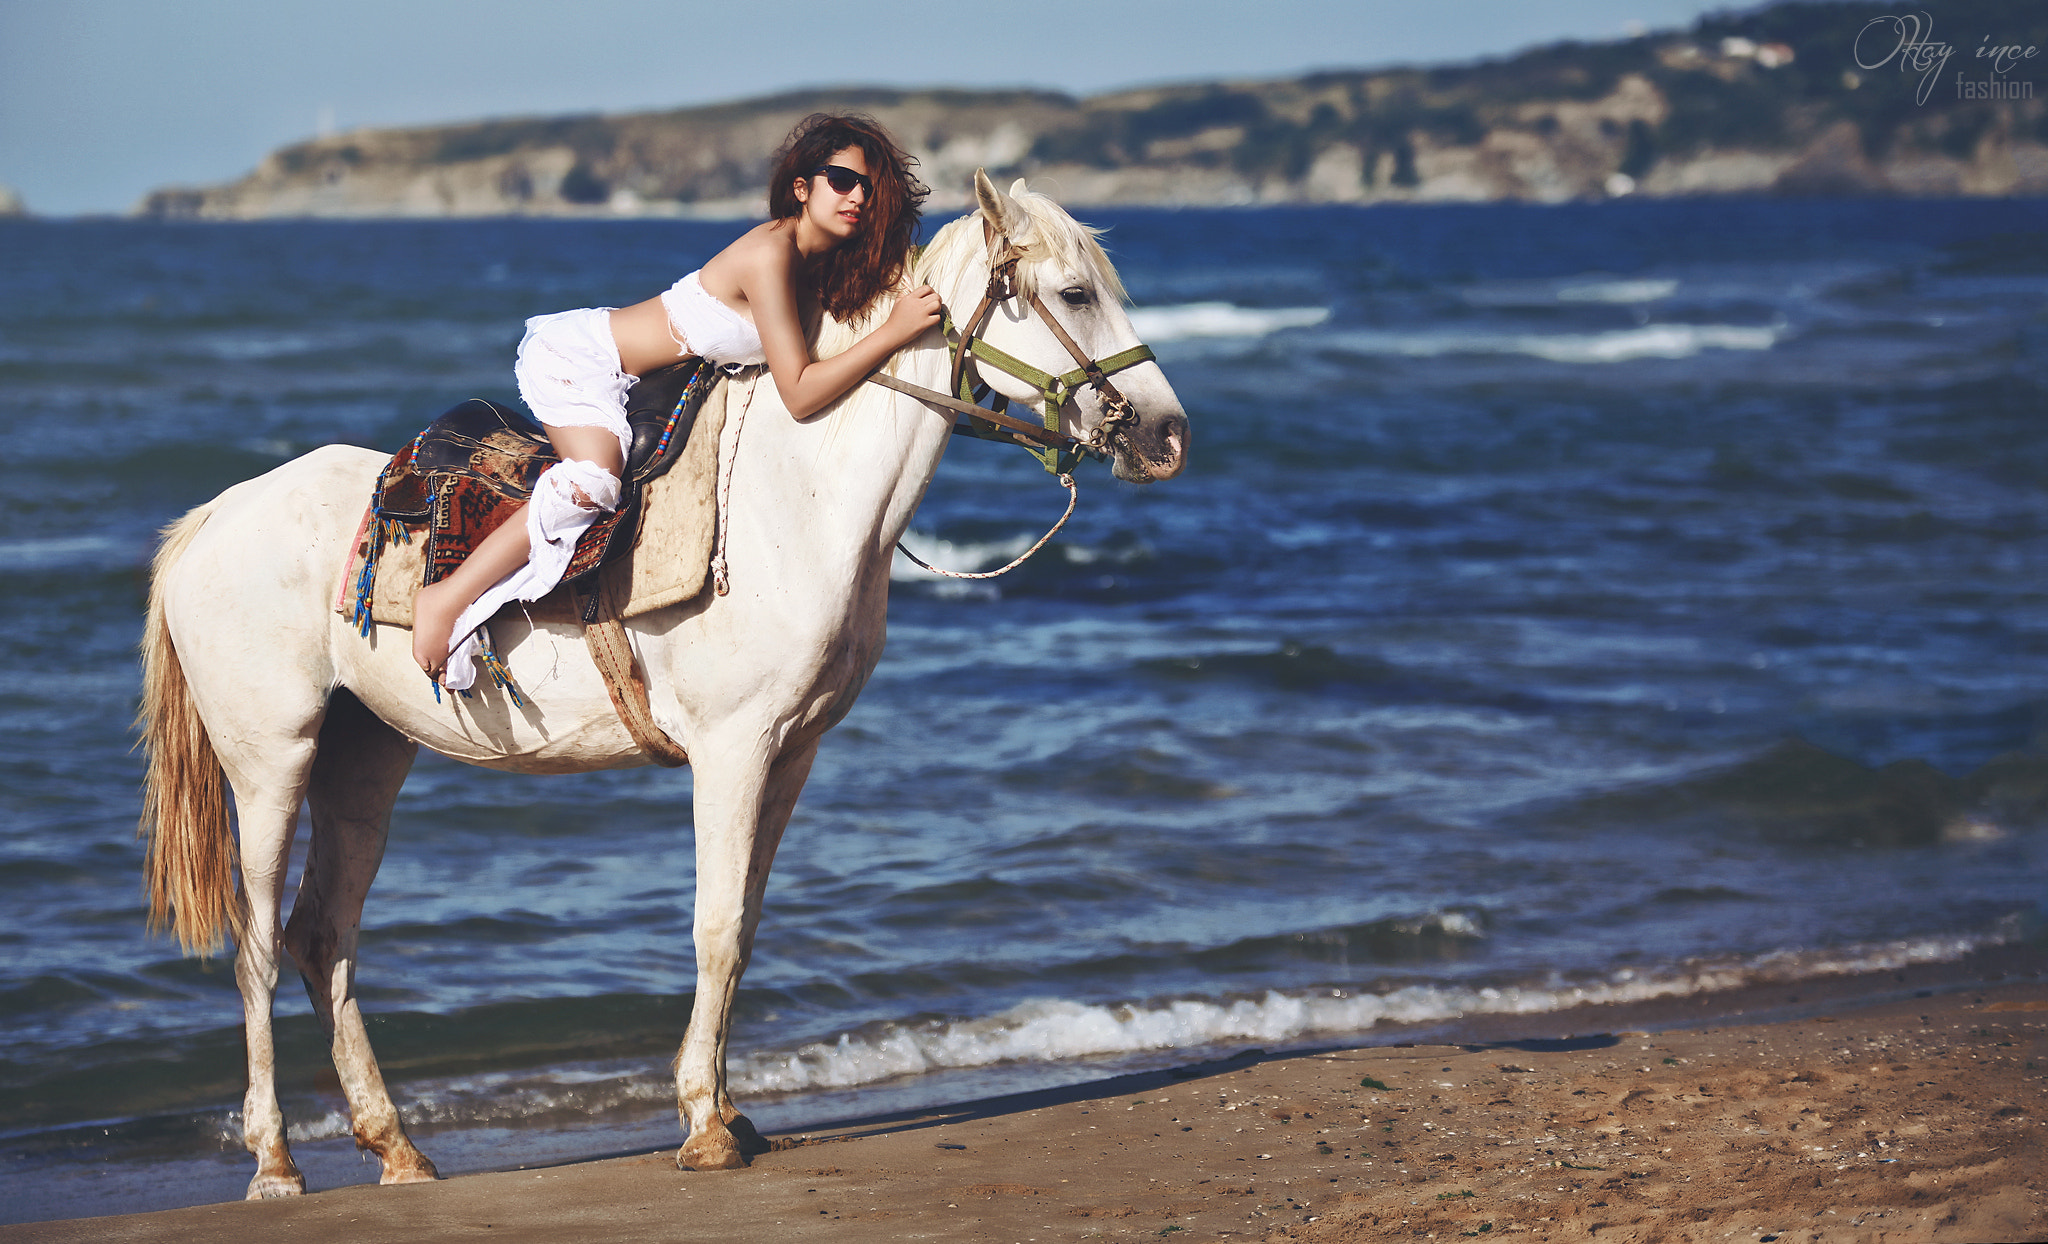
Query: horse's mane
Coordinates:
[1055,239]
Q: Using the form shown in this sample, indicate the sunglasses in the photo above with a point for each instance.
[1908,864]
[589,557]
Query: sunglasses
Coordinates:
[843,180]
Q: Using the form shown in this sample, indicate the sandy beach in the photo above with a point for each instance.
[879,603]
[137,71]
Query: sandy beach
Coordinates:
[1916,1118]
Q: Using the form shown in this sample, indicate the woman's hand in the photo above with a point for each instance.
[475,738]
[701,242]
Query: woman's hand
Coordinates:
[913,315]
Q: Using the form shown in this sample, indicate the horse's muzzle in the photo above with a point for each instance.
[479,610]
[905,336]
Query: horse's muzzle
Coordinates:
[1157,449]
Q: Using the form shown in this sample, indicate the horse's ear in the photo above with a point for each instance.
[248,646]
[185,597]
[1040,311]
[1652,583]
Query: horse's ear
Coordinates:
[997,208]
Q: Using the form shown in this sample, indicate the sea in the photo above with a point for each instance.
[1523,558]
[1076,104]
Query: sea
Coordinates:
[1595,603]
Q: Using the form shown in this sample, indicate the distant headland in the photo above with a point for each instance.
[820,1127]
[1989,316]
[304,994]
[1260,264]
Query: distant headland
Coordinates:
[1799,99]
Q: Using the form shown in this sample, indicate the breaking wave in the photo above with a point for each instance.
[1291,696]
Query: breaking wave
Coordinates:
[66,553]
[1054,1030]
[966,556]
[1649,341]
[1220,319]
[1646,290]
[1050,1032]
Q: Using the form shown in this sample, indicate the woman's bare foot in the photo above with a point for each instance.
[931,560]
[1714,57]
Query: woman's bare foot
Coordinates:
[434,612]
[438,606]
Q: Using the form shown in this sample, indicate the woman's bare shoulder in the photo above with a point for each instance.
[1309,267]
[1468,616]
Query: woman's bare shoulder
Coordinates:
[762,256]
[770,246]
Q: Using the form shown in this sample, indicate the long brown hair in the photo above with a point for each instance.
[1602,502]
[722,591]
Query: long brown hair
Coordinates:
[851,276]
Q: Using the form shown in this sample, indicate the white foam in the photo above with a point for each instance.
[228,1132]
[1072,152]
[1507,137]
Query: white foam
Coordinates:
[1219,319]
[972,555]
[1647,290]
[333,1124]
[965,556]
[1660,341]
[20,555]
[1054,1030]
[248,347]
[587,1092]
[1050,1031]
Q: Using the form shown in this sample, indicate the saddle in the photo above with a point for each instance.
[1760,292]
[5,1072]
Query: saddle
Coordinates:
[475,465]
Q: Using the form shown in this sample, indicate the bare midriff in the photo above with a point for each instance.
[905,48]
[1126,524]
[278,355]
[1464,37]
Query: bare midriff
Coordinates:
[644,337]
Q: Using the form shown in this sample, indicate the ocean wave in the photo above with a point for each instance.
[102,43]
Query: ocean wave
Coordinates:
[64,551]
[1648,341]
[327,1126]
[1617,291]
[1056,1030]
[1220,319]
[247,347]
[965,556]
[1051,1031]
[1625,291]
[969,556]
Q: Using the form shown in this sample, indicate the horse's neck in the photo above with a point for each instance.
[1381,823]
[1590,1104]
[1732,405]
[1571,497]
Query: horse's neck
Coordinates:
[852,477]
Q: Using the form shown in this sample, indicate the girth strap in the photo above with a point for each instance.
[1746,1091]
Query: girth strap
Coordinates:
[623,681]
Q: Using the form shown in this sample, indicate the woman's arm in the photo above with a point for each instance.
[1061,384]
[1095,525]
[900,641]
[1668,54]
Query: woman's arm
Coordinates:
[767,277]
[760,268]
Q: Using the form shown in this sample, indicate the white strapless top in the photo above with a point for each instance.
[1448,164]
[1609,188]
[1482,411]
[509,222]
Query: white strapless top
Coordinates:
[707,327]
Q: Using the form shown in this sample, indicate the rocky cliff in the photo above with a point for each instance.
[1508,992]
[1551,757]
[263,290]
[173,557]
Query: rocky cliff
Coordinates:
[1785,100]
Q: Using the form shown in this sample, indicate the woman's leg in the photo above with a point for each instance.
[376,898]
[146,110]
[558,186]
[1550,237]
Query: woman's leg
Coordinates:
[505,550]
[437,606]
[588,443]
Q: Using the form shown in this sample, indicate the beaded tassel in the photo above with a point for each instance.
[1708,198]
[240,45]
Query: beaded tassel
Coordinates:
[383,532]
[494,665]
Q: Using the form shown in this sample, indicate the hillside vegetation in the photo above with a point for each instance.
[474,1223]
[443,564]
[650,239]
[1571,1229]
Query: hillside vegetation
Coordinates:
[1771,101]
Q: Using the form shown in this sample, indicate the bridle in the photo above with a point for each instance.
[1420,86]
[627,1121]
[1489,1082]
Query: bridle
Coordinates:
[1059,452]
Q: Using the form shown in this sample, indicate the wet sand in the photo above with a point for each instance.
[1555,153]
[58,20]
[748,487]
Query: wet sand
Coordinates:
[1918,1118]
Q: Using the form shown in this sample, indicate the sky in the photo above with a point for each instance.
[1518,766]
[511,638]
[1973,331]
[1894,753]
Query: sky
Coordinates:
[102,101]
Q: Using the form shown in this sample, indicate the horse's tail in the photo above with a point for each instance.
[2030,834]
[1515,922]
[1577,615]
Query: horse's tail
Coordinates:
[191,863]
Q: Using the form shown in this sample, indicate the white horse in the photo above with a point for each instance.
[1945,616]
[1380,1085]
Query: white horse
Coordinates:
[252,677]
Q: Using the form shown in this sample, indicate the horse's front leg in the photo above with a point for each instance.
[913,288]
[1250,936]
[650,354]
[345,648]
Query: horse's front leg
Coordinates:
[740,815]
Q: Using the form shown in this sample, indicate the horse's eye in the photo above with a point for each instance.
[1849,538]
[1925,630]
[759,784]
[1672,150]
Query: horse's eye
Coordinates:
[1077,296]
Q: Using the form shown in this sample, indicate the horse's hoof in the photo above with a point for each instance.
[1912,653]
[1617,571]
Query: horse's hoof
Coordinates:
[418,1171]
[403,1162]
[271,1187]
[718,1154]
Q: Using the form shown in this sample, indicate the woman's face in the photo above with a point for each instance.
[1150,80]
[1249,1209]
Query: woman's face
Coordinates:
[835,212]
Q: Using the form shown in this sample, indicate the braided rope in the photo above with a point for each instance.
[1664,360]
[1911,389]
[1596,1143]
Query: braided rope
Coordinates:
[720,581]
[1073,496]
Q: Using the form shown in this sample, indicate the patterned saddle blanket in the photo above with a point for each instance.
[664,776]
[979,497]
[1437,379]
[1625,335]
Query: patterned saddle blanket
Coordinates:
[473,467]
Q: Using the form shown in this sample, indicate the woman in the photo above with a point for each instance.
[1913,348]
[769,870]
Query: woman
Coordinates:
[843,209]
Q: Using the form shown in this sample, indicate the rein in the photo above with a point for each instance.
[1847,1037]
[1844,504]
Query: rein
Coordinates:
[1055,449]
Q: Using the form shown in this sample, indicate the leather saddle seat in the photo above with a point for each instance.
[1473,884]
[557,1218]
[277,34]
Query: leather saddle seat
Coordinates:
[473,467]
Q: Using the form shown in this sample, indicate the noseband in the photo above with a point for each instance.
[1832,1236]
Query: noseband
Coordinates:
[1058,451]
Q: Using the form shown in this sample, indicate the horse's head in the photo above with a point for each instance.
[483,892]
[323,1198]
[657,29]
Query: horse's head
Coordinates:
[1066,320]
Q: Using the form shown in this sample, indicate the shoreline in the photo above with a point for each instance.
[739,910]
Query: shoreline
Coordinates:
[1805,1111]
[945,212]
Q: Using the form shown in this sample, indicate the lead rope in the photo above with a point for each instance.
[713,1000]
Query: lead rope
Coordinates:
[720,582]
[1073,495]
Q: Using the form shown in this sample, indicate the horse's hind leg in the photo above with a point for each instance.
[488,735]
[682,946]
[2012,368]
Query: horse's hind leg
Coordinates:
[357,771]
[266,812]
